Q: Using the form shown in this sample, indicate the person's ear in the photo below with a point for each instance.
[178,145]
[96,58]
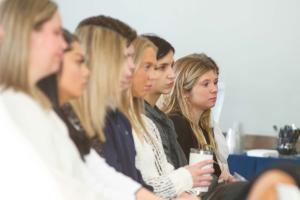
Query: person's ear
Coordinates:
[186,94]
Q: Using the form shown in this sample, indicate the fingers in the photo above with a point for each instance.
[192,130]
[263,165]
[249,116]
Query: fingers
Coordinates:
[204,163]
[188,198]
[206,171]
[201,173]
[208,178]
[232,179]
[227,177]
[203,181]
[204,184]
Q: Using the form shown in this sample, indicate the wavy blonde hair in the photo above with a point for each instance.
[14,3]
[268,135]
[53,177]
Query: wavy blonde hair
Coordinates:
[104,48]
[188,70]
[19,19]
[132,106]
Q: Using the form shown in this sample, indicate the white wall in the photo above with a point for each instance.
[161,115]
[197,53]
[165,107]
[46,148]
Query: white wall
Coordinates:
[255,42]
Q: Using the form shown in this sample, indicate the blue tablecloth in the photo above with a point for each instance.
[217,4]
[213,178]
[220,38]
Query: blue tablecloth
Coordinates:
[248,166]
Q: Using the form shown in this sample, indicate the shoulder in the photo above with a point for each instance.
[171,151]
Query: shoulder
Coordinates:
[14,99]
[116,122]
[176,117]
[148,122]
[179,120]
[23,107]
[216,128]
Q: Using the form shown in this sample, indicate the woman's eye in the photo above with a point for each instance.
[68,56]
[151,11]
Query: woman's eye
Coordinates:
[80,62]
[205,84]
[162,68]
[147,66]
[58,32]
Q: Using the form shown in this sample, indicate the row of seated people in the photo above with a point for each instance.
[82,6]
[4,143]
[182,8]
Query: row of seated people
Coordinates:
[85,104]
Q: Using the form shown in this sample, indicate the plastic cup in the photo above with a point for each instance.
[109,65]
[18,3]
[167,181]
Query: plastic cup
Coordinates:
[198,155]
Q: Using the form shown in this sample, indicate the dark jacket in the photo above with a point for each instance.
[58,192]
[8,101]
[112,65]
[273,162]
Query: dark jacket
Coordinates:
[119,150]
[48,86]
[76,131]
[165,126]
[188,140]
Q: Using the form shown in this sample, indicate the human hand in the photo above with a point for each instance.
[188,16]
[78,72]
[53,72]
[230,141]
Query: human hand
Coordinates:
[201,175]
[226,177]
[188,197]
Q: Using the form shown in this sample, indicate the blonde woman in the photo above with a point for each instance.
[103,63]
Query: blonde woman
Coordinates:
[151,159]
[107,43]
[14,178]
[189,107]
[32,50]
[68,85]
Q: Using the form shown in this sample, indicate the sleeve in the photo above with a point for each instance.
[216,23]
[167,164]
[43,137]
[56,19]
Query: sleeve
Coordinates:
[223,151]
[171,185]
[172,182]
[108,149]
[109,181]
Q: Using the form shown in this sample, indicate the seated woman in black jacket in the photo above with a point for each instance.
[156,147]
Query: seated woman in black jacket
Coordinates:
[189,106]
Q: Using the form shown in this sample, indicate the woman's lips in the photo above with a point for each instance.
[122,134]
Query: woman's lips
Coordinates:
[214,99]
[148,87]
[170,84]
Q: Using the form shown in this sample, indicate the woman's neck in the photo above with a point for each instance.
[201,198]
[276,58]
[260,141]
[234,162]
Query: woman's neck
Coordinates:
[196,114]
[62,98]
[152,98]
[62,101]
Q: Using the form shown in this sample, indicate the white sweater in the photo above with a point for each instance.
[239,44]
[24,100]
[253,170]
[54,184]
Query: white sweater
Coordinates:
[50,140]
[16,151]
[222,148]
[155,169]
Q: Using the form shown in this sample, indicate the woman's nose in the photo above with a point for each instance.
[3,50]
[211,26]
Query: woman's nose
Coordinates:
[214,88]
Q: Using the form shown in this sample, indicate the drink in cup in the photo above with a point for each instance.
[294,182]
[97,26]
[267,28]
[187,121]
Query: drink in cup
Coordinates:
[198,155]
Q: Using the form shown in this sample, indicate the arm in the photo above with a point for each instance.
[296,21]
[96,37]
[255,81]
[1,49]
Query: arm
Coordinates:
[223,153]
[168,182]
[108,180]
[144,194]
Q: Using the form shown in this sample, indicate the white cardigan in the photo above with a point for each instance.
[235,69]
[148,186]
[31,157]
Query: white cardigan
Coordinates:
[49,137]
[155,169]
[222,148]
[14,179]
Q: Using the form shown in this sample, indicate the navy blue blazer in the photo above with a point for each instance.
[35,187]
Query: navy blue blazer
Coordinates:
[118,149]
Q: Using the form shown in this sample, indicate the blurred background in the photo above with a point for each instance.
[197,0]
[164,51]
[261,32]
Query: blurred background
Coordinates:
[255,43]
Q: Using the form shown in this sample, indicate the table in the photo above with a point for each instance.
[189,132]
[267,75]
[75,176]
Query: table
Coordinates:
[248,166]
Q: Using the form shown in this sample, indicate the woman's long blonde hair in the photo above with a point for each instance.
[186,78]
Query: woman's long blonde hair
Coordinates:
[104,48]
[19,19]
[188,70]
[133,107]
